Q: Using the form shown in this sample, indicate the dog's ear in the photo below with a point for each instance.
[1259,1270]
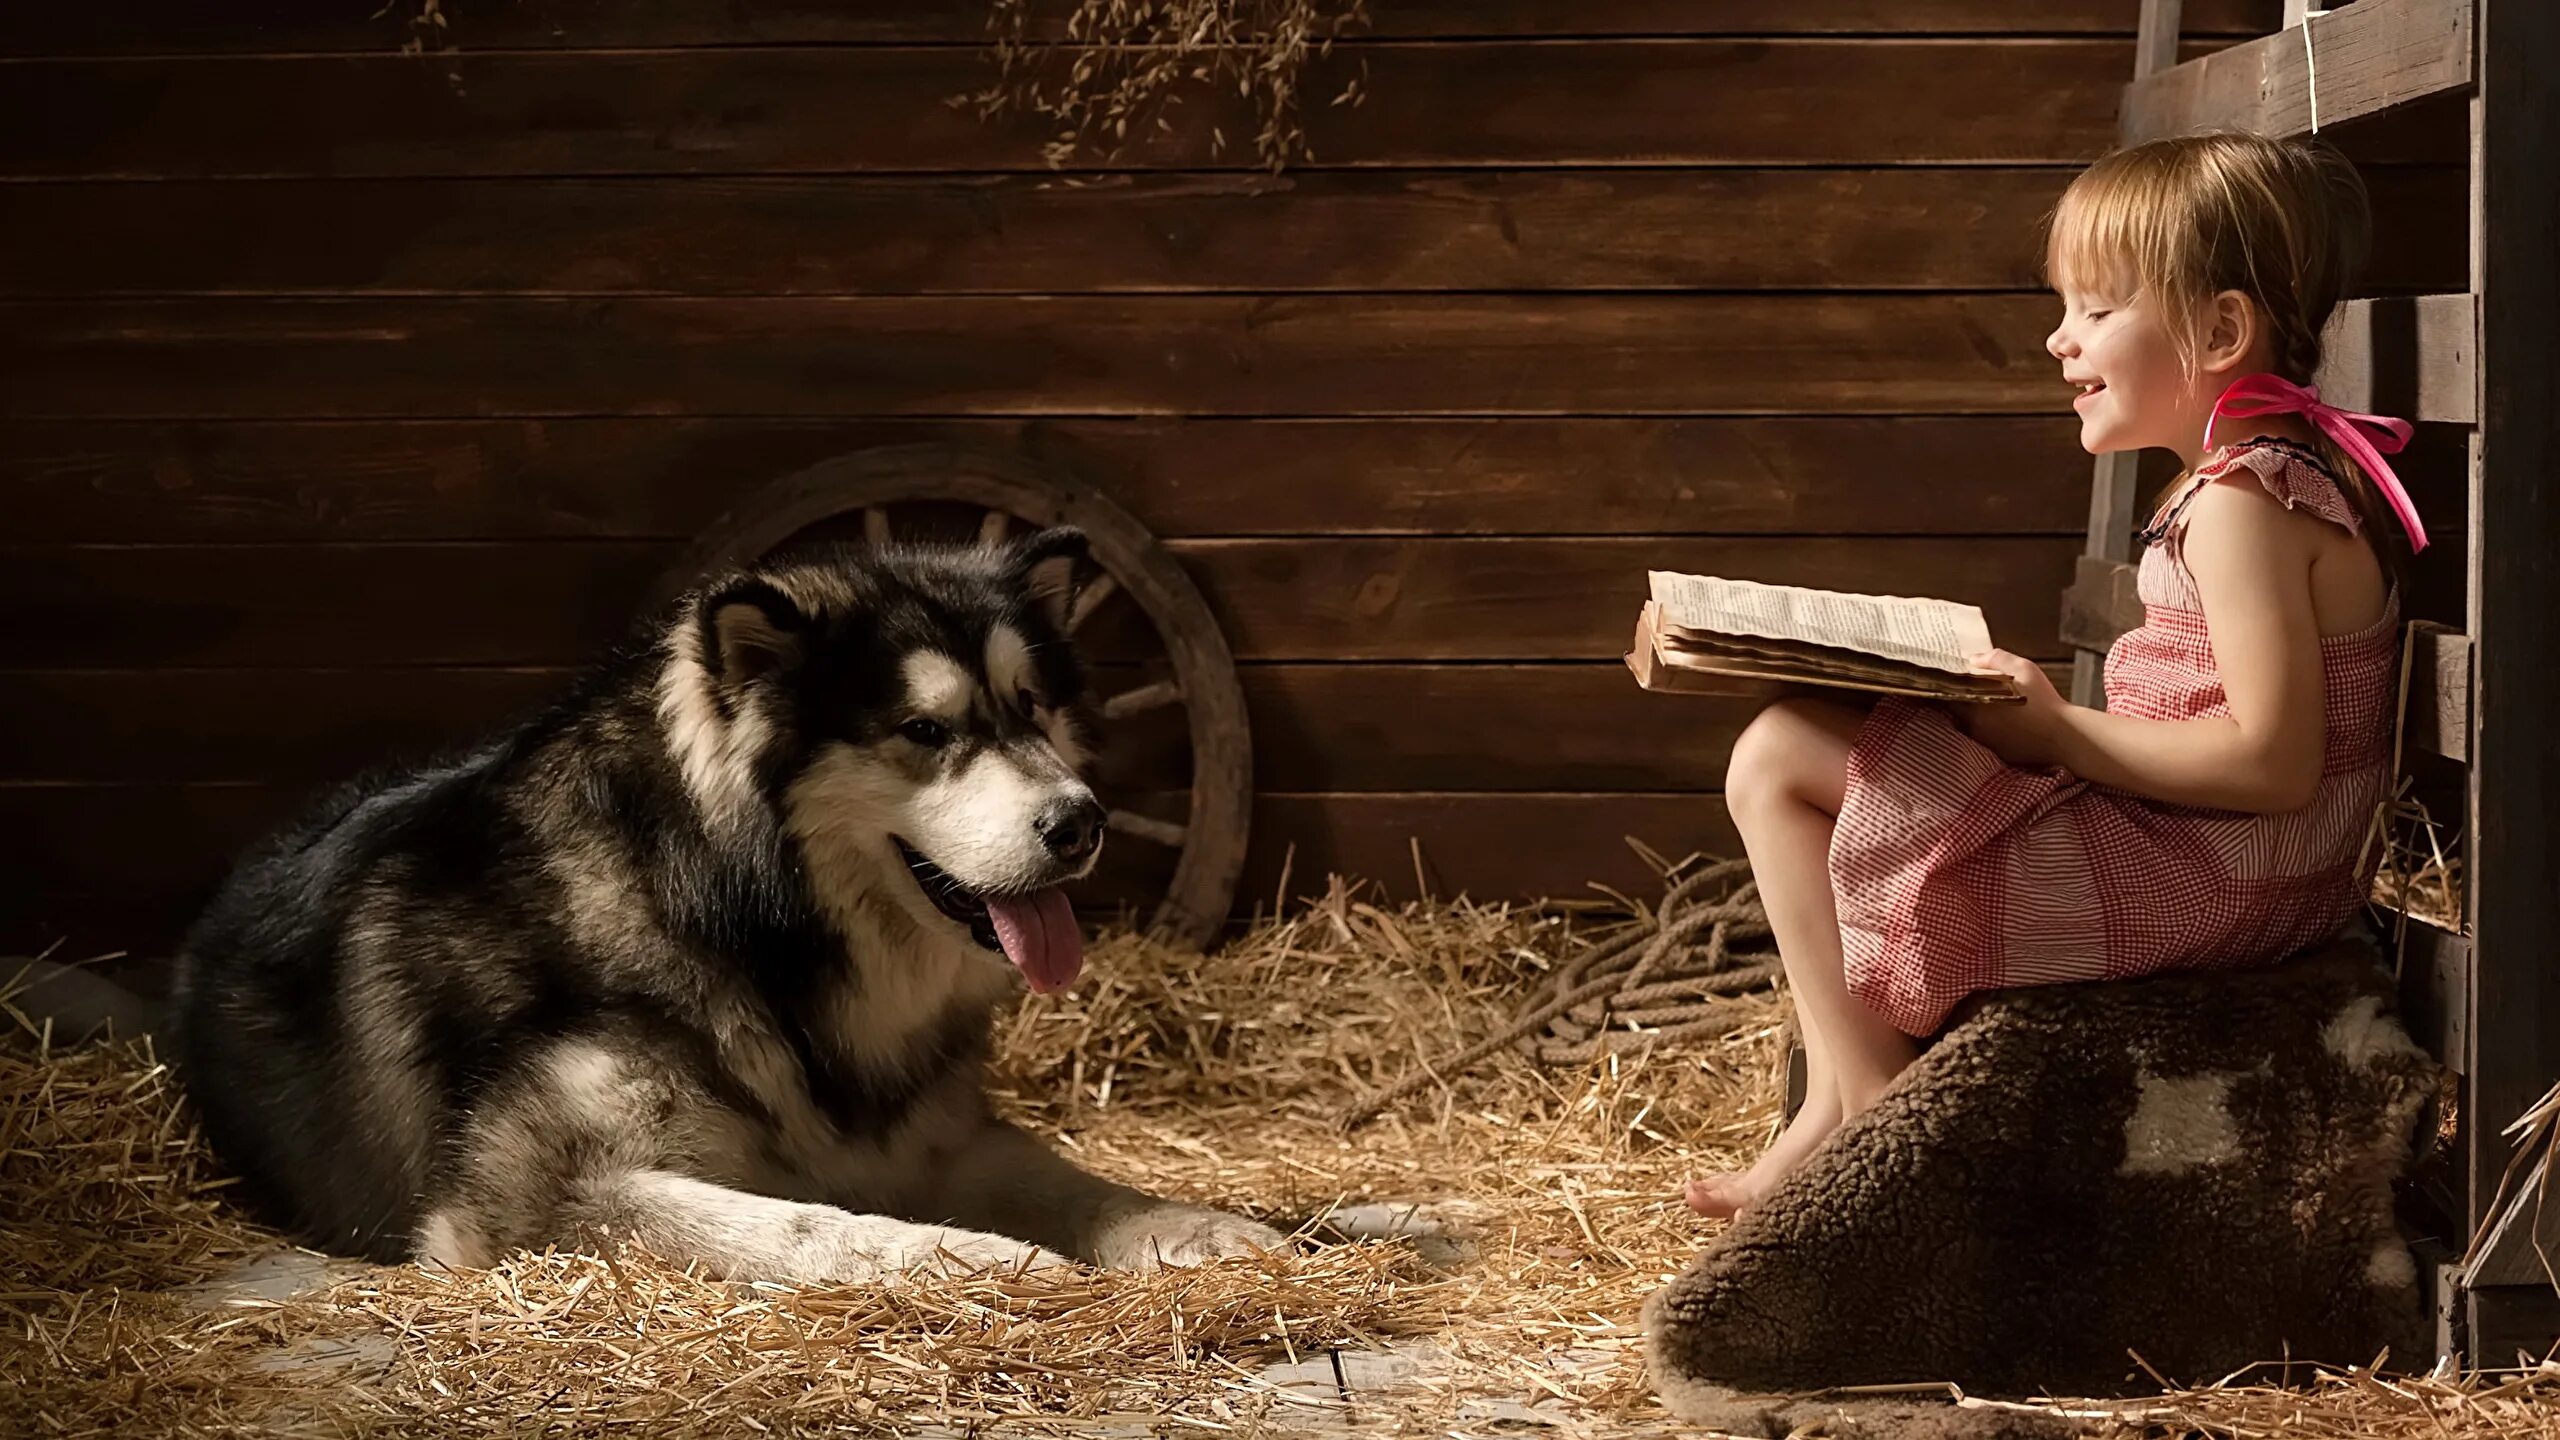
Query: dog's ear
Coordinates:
[749,629]
[1053,565]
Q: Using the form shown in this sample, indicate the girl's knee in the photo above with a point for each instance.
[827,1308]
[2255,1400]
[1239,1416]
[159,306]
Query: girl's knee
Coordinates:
[1756,772]
[1794,750]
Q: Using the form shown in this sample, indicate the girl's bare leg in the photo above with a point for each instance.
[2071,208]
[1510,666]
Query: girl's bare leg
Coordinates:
[1785,785]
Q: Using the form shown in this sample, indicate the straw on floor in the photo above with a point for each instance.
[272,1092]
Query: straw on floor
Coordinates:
[1223,1079]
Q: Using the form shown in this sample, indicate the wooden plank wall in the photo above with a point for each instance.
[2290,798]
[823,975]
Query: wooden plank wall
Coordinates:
[347,397]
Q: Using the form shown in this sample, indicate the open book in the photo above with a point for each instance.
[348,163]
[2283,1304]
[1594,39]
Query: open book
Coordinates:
[1702,634]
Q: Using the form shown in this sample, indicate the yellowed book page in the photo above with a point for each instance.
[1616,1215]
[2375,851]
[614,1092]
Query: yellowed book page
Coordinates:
[1934,634]
[1885,677]
[1666,663]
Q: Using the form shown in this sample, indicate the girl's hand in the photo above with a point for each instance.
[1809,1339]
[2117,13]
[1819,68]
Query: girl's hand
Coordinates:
[2028,734]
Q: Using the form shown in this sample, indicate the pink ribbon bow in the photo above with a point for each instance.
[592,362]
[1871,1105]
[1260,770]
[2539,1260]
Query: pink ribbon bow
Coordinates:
[2264,394]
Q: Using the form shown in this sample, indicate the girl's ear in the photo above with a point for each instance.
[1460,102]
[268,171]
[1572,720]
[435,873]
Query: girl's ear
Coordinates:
[2232,327]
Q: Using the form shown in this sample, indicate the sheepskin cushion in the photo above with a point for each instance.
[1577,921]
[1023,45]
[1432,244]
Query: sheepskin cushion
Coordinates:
[2196,1168]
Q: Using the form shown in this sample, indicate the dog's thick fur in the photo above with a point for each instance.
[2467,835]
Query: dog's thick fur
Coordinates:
[661,964]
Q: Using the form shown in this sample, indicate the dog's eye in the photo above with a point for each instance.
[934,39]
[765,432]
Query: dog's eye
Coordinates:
[931,734]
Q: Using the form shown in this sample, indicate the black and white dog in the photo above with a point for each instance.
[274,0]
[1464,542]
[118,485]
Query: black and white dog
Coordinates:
[704,955]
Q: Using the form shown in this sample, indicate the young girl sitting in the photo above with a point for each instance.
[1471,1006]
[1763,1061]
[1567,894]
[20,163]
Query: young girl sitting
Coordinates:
[2213,813]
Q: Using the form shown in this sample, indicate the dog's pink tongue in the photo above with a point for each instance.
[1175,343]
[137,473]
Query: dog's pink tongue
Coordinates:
[1038,933]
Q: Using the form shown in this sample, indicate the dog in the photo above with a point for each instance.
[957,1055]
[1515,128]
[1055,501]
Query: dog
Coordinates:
[703,956]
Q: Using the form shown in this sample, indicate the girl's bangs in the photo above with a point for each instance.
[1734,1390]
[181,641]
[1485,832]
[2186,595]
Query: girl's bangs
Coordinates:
[2105,236]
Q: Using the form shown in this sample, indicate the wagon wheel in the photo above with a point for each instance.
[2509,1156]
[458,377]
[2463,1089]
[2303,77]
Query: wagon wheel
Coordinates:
[830,498]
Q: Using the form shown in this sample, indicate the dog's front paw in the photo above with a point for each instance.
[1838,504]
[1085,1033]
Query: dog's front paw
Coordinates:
[1170,1234]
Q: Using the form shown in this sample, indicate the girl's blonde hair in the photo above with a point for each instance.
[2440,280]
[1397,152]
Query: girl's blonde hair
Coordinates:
[2181,220]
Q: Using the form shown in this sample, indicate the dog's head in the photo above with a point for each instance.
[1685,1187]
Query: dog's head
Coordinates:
[913,721]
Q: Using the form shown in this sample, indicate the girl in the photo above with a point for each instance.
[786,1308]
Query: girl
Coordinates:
[2214,812]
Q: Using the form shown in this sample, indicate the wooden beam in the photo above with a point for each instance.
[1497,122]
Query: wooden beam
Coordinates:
[2101,603]
[2113,493]
[2437,719]
[2513,850]
[2370,57]
[2415,356]
[2113,480]
[2155,38]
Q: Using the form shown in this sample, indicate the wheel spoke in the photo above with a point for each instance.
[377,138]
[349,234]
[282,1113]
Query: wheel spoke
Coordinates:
[1145,697]
[1163,832]
[1091,600]
[875,524]
[993,529]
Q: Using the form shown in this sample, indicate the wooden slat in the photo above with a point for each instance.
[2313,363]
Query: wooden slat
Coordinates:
[2438,718]
[1316,727]
[2435,987]
[2372,56]
[1934,228]
[1081,355]
[2100,605]
[2512,852]
[277,727]
[2416,357]
[671,479]
[839,109]
[170,26]
[124,867]
[1327,598]
[1965,227]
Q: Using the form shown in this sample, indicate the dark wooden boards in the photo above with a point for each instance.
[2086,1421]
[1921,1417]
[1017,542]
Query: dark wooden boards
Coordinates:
[345,397]
[165,26]
[869,109]
[1064,355]
[2372,56]
[1318,599]
[670,478]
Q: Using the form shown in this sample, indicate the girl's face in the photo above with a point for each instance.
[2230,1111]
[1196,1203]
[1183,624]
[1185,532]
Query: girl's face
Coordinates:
[2117,353]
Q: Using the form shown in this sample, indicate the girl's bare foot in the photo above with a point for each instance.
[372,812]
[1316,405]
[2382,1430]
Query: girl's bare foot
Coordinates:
[1721,1197]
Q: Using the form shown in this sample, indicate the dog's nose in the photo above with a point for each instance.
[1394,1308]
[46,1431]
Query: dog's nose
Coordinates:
[1072,829]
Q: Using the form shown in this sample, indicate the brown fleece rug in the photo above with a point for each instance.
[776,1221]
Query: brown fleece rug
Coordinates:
[2197,1168]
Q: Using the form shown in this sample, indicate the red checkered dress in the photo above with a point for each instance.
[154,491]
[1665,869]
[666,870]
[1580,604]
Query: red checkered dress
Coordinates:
[1956,873]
